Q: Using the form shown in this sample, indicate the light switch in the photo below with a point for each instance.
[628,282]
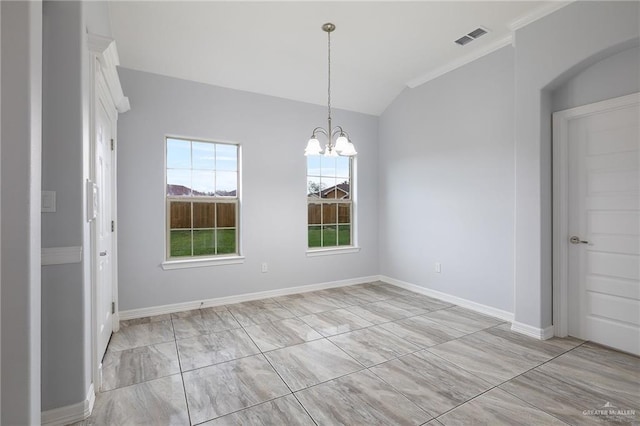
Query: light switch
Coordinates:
[48,201]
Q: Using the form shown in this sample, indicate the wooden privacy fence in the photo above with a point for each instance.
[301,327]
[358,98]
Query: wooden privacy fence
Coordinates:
[205,215]
[323,213]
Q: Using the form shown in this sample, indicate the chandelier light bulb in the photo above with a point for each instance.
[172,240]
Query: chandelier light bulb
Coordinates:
[313,147]
[341,143]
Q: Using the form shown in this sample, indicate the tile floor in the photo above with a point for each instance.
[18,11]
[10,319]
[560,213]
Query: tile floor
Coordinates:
[360,355]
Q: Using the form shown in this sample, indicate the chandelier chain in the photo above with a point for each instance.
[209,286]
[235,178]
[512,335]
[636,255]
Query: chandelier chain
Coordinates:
[329,74]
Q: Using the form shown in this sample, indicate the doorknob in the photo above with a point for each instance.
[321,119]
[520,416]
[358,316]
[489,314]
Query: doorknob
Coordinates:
[577,240]
[103,253]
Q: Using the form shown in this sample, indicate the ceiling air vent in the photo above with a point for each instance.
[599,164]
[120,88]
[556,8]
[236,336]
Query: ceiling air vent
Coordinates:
[478,32]
[464,40]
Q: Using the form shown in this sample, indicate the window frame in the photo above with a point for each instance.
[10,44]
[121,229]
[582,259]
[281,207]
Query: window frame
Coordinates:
[179,262]
[333,250]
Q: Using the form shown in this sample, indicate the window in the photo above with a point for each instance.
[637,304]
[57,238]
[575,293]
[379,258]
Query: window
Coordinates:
[202,199]
[329,201]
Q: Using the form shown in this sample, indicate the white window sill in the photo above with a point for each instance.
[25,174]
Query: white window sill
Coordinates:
[199,263]
[332,251]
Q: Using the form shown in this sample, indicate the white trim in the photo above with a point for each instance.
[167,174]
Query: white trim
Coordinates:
[538,13]
[332,251]
[535,332]
[560,143]
[103,57]
[199,263]
[476,54]
[61,255]
[465,303]
[70,413]
[179,307]
[105,50]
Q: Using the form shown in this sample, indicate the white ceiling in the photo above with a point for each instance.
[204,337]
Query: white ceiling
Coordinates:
[279,49]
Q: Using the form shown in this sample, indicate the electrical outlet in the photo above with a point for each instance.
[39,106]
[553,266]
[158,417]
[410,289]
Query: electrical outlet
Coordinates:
[438,267]
[265,267]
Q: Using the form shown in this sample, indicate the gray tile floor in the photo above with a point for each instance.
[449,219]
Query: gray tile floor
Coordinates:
[369,354]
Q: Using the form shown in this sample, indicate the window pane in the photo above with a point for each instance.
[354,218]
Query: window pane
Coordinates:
[203,183]
[178,154]
[226,241]
[204,242]
[313,165]
[344,235]
[227,157]
[329,213]
[329,236]
[204,215]
[226,184]
[342,167]
[179,182]
[328,185]
[328,166]
[226,215]
[344,213]
[180,243]
[315,236]
[313,187]
[204,155]
[314,214]
[180,215]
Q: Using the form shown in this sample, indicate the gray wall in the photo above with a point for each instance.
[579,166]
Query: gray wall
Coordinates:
[66,291]
[273,133]
[20,199]
[62,285]
[615,76]
[549,50]
[446,183]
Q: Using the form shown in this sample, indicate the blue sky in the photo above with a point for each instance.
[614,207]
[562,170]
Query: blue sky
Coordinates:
[203,158]
[210,167]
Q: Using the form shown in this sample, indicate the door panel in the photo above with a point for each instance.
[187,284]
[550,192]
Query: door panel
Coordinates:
[103,180]
[604,210]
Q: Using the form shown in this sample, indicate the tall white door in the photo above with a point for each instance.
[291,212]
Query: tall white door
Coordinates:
[103,179]
[604,222]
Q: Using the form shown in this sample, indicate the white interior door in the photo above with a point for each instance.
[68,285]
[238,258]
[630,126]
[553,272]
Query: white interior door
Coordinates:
[103,233]
[604,219]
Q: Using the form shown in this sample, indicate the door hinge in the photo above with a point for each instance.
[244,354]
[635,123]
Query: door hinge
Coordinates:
[112,144]
[113,226]
[113,307]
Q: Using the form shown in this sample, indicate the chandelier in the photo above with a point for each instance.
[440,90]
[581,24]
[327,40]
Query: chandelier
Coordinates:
[342,145]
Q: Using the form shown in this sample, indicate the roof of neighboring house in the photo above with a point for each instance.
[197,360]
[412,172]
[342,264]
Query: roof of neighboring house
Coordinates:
[341,187]
[180,190]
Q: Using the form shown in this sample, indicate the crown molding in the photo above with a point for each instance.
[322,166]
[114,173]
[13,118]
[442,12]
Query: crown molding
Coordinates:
[492,47]
[538,13]
[107,53]
[513,26]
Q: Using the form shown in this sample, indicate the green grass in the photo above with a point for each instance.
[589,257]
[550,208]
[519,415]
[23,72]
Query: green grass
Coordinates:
[204,245]
[203,242]
[326,237]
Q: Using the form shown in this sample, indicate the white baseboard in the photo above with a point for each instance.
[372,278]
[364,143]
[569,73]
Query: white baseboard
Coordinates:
[179,307]
[518,327]
[535,332]
[474,306]
[70,413]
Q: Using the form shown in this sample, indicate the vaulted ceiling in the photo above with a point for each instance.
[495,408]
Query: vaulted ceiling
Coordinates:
[279,49]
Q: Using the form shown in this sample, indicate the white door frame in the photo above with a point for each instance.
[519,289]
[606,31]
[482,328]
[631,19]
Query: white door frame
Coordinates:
[561,121]
[104,60]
